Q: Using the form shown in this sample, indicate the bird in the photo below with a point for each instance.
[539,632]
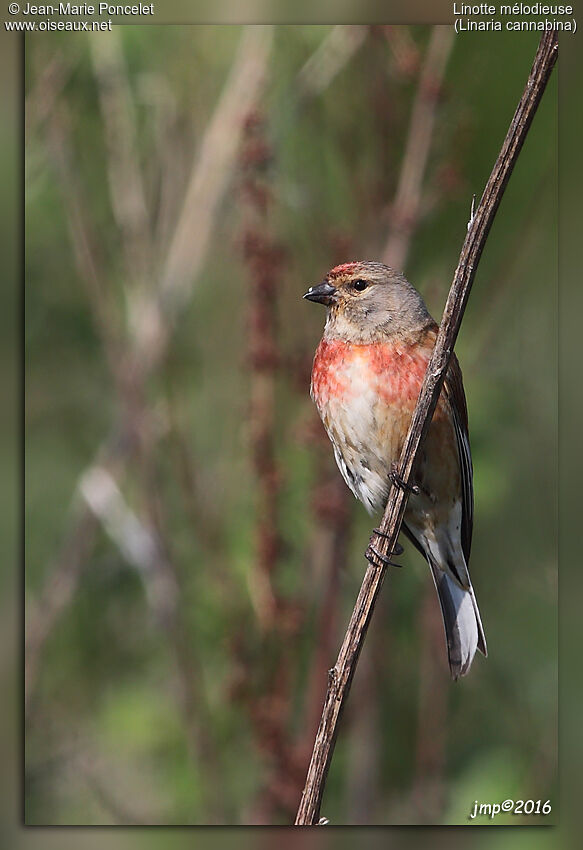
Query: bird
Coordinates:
[366,376]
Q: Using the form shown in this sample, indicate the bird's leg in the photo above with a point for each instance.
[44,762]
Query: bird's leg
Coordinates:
[399,482]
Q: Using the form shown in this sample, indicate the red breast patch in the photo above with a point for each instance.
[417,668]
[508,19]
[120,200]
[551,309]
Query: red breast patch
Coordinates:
[328,373]
[394,372]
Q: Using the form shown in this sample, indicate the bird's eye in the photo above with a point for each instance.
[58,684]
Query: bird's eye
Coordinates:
[359,285]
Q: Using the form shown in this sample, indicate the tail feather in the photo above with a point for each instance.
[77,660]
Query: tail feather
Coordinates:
[461,619]
[481,636]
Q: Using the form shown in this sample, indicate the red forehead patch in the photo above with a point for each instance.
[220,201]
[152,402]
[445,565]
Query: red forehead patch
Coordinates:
[340,271]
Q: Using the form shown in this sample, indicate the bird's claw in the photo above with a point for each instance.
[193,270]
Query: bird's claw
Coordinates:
[398,550]
[373,555]
[400,482]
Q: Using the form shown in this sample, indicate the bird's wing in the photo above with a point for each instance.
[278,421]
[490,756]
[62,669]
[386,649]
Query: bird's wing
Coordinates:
[453,389]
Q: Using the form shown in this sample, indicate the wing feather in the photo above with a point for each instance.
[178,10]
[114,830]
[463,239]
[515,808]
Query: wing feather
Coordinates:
[453,389]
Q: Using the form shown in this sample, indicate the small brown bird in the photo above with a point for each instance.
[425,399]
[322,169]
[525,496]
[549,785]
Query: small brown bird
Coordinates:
[367,374]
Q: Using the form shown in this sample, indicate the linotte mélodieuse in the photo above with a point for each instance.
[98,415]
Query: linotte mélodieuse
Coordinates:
[516,9]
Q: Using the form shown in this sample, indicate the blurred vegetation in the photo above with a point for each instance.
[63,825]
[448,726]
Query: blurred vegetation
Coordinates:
[191,554]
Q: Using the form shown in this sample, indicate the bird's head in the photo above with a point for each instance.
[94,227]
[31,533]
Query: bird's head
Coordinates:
[368,300]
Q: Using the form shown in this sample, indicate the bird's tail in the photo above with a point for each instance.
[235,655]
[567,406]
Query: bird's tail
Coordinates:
[461,619]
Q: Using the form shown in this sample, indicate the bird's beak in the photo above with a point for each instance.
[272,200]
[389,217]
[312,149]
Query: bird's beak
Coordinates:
[323,293]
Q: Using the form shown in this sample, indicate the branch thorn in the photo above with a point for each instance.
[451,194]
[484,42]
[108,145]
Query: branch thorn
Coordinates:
[472,210]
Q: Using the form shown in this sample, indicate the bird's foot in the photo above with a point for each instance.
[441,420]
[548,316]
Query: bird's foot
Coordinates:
[398,550]
[373,553]
[400,482]
[373,556]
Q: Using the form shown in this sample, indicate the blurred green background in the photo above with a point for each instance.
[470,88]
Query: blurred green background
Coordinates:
[191,554]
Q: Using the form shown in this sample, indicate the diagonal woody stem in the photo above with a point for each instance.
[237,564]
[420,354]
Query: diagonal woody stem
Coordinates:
[340,677]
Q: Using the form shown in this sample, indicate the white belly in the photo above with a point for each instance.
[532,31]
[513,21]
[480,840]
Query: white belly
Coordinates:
[366,434]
